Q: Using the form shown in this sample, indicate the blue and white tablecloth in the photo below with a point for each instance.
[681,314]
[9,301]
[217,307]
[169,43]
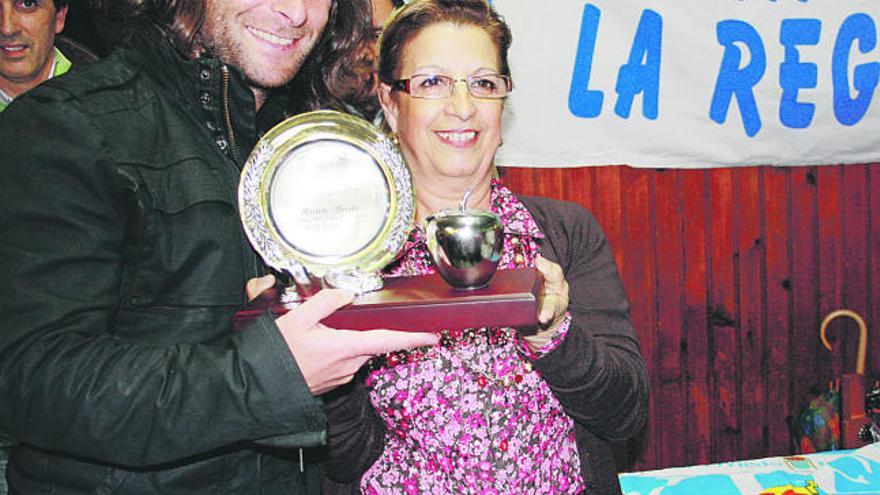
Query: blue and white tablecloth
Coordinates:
[842,472]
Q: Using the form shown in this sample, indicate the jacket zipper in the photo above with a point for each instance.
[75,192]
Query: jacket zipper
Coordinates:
[233,149]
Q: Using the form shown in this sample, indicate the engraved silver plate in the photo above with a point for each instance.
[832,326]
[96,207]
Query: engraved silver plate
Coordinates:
[330,193]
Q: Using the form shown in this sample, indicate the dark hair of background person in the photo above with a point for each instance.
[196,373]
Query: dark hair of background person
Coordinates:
[407,22]
[327,78]
[330,75]
[81,28]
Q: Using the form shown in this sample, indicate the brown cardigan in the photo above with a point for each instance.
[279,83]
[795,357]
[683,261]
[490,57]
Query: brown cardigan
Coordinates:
[597,373]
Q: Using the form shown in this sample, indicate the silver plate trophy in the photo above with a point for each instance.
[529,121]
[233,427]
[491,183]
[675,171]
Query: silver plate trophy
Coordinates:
[326,198]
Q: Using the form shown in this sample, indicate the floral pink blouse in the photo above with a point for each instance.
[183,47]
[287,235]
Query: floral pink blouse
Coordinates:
[470,415]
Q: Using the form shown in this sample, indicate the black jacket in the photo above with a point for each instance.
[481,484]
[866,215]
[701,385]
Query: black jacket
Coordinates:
[123,262]
[597,373]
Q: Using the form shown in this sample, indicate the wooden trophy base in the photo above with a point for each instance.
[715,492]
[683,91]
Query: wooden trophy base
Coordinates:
[427,303]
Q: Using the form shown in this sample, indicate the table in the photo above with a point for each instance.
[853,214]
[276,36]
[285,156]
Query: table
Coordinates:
[842,472]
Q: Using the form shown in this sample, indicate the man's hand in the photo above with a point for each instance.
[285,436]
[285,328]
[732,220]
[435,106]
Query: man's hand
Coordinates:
[256,286]
[328,357]
[552,304]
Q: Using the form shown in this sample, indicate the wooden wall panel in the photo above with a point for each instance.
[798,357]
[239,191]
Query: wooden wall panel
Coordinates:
[608,207]
[730,272]
[854,290]
[668,242]
[873,227]
[695,220]
[830,264]
[638,276]
[750,293]
[777,307]
[805,296]
[722,322]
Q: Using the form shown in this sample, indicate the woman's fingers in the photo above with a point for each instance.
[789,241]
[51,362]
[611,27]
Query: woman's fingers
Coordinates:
[553,302]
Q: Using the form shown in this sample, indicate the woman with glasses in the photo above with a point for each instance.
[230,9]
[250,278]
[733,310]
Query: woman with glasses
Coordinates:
[489,410]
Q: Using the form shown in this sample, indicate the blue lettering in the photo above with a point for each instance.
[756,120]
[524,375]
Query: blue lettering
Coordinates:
[641,74]
[582,101]
[733,80]
[794,74]
[849,111]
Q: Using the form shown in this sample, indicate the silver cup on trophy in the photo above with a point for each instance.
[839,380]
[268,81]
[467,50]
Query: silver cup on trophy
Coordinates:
[465,246]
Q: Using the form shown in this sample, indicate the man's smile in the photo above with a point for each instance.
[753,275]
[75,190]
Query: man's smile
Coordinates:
[271,38]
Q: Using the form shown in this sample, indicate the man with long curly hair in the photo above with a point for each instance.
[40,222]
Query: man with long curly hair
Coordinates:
[124,261]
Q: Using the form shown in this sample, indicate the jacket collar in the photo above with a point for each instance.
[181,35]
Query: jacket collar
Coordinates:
[214,93]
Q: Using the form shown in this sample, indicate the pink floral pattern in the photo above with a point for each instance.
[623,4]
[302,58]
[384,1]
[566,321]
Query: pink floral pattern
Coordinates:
[470,415]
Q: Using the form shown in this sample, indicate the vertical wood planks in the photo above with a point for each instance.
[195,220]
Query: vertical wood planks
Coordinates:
[700,398]
[805,291]
[750,241]
[854,290]
[723,339]
[638,278]
[872,316]
[777,203]
[830,237]
[608,209]
[577,186]
[668,244]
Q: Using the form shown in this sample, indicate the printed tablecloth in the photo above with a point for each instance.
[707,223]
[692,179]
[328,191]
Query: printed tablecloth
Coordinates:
[842,472]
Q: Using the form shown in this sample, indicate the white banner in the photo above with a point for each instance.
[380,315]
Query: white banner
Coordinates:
[692,83]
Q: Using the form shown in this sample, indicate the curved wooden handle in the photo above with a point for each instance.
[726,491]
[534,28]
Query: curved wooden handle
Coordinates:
[863,335]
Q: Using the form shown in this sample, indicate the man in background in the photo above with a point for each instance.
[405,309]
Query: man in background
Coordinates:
[381,10]
[28,52]
[28,57]
[366,68]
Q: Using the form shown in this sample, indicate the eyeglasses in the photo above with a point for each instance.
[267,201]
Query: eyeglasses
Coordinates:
[437,86]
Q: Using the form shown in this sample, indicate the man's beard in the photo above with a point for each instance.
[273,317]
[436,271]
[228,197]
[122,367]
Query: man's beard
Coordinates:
[230,50]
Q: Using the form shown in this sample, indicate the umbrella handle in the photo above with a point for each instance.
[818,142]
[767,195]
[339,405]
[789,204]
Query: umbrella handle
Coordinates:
[863,335]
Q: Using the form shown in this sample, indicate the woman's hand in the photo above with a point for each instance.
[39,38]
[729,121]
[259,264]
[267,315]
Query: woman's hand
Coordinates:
[552,304]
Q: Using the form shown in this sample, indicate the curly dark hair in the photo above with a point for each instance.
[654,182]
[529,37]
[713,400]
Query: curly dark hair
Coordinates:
[179,20]
[326,80]
[330,76]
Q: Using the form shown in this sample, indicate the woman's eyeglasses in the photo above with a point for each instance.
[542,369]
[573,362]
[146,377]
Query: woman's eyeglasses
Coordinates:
[437,86]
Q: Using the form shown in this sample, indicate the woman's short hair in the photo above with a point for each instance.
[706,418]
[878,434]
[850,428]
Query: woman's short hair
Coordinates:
[416,15]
